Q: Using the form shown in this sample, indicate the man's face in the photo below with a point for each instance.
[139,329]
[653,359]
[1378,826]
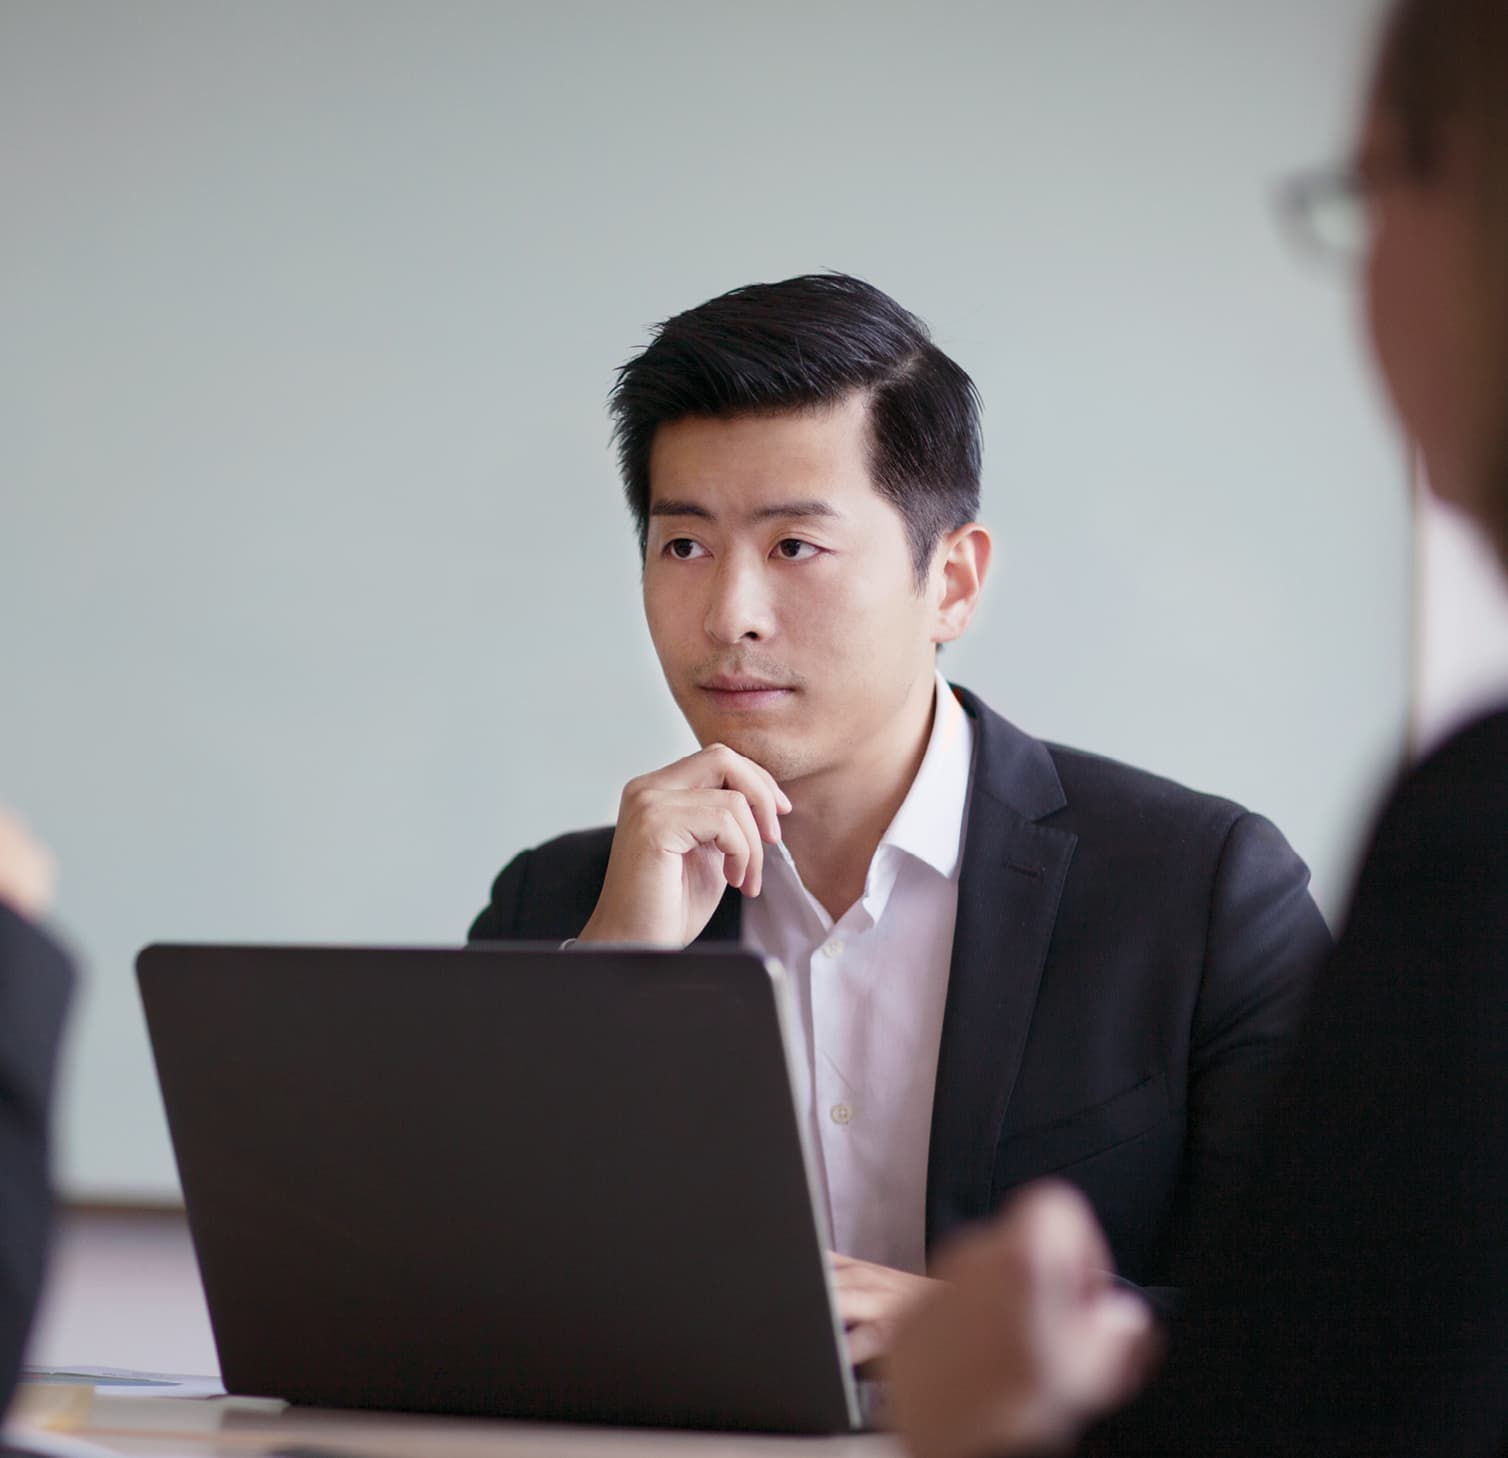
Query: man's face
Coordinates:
[780,592]
[1419,273]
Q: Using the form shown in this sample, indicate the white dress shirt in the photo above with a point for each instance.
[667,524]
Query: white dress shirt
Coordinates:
[869,993]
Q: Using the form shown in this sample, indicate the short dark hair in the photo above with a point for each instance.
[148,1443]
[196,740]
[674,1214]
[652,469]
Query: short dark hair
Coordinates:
[802,344]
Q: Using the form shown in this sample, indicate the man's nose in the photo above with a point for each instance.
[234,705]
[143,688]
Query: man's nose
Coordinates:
[740,608]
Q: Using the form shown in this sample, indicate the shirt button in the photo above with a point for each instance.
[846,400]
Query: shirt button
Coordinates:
[832,948]
[840,1113]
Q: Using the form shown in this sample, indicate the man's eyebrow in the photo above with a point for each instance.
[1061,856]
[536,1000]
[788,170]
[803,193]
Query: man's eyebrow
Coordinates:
[780,510]
[792,508]
[680,508]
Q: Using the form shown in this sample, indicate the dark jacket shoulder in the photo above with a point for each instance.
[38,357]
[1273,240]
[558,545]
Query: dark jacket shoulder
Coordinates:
[548,893]
[36,980]
[1123,817]
[1137,798]
[1176,841]
[1435,878]
[1041,779]
[1452,788]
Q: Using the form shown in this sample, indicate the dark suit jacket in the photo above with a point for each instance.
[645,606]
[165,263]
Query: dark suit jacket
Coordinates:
[1129,963]
[35,980]
[1355,1300]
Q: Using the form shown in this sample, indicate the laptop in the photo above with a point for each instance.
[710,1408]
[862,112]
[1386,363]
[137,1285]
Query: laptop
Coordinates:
[501,1180]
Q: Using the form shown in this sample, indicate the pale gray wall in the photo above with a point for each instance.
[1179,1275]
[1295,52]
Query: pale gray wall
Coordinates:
[316,598]
[1462,608]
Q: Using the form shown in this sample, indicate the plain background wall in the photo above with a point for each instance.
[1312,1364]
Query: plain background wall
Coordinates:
[318,598]
[1462,626]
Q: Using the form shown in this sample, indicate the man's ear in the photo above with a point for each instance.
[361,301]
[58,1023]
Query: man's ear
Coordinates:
[957,578]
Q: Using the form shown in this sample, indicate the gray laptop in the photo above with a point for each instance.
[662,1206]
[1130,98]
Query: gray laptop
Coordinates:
[500,1180]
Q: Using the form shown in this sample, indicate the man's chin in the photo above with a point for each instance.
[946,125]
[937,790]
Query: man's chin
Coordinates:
[785,760]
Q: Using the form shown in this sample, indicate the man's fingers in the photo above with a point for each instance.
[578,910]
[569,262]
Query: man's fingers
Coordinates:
[847,1272]
[740,846]
[866,1293]
[719,768]
[857,1306]
[1117,1349]
[863,1277]
[866,1342]
[765,798]
[681,823]
[752,879]
[1055,1224]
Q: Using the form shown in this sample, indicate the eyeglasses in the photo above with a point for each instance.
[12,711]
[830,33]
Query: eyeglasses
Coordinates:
[1327,212]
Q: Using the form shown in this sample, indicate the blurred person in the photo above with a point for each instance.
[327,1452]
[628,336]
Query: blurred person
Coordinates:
[1355,1300]
[1009,957]
[35,983]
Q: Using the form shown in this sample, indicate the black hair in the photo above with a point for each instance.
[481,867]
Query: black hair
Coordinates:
[802,344]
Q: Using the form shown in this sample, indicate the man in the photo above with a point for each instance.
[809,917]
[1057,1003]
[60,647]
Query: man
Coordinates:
[1011,958]
[35,980]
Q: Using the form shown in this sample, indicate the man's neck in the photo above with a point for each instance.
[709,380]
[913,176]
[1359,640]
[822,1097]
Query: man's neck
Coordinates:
[838,817]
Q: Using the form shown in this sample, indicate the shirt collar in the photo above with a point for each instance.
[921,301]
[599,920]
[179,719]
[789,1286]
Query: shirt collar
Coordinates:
[929,824]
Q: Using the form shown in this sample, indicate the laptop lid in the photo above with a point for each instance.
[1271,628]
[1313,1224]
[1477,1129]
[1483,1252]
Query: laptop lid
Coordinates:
[500,1180]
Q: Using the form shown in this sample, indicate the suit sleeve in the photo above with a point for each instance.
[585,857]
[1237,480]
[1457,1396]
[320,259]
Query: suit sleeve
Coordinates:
[1356,1301]
[1264,943]
[498,920]
[35,983]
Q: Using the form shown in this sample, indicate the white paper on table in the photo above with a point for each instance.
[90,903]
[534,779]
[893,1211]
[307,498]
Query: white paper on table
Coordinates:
[123,1382]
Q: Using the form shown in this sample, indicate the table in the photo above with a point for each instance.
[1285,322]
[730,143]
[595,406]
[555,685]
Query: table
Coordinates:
[238,1427]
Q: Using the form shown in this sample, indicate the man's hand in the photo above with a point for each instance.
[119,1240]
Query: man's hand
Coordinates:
[685,834]
[1027,1340]
[871,1300]
[27,869]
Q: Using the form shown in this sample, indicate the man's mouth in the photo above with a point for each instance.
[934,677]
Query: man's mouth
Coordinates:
[741,691]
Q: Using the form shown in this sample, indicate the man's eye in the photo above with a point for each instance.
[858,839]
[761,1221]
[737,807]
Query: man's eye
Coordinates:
[685,548]
[793,549]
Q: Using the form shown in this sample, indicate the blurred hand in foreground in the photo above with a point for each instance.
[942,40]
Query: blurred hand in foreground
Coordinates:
[28,871]
[1027,1340]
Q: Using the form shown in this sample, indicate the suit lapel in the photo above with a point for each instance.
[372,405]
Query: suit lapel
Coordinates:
[1009,887]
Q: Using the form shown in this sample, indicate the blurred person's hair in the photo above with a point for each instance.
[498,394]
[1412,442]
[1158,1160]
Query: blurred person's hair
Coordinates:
[807,344]
[1442,77]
